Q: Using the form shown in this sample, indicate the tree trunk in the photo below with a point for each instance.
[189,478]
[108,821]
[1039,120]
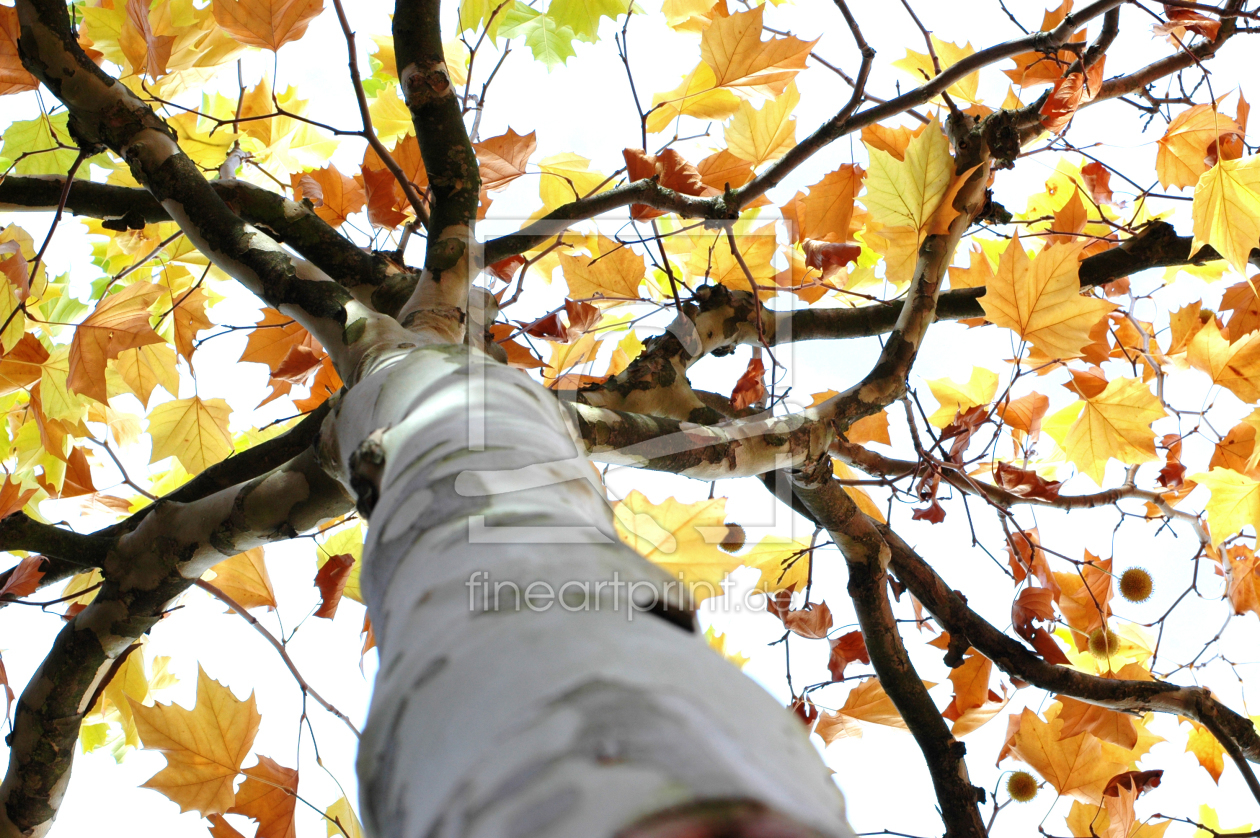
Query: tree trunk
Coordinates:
[562,708]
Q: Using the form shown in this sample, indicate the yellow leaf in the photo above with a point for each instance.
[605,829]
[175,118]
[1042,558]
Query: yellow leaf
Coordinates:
[1207,750]
[204,747]
[1040,299]
[390,117]
[346,541]
[766,133]
[682,538]
[1227,210]
[341,821]
[1234,366]
[868,702]
[720,265]
[266,23]
[244,578]
[783,562]
[120,322]
[698,95]
[717,642]
[1234,504]
[1115,423]
[1208,817]
[148,367]
[920,66]
[740,60]
[567,177]
[615,273]
[1179,160]
[955,398]
[192,430]
[905,193]
[1075,766]
[859,495]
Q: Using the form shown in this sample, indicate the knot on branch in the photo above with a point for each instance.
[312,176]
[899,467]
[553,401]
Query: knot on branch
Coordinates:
[422,87]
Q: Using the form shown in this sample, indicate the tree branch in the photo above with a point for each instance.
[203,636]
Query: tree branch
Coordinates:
[866,556]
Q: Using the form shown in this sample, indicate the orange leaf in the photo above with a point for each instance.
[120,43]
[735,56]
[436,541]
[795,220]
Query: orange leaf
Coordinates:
[190,318]
[813,621]
[244,578]
[1107,725]
[335,196]
[24,580]
[220,828]
[1207,750]
[269,796]
[12,496]
[846,649]
[750,388]
[22,365]
[266,23]
[147,52]
[120,322]
[331,581]
[502,159]
[13,76]
[378,190]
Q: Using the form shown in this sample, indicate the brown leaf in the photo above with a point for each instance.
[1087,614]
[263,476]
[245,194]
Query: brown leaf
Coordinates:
[846,649]
[13,76]
[8,691]
[812,621]
[518,356]
[189,316]
[670,169]
[750,389]
[1187,20]
[1031,604]
[220,828]
[12,496]
[971,685]
[1138,781]
[1024,483]
[503,159]
[266,23]
[340,196]
[24,580]
[269,796]
[23,365]
[933,513]
[147,52]
[1085,596]
[1240,299]
[297,365]
[378,192]
[505,269]
[120,322]
[331,581]
[1108,725]
[829,255]
[1025,413]
[1068,94]
[1097,179]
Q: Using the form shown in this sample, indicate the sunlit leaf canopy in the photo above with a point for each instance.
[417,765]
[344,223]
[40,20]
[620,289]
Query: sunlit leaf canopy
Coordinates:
[1075,452]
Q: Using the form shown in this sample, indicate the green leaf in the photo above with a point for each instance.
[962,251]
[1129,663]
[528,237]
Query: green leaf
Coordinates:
[582,16]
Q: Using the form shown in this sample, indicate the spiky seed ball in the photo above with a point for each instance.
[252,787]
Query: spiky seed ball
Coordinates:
[1021,786]
[1136,585]
[1103,643]
[734,540]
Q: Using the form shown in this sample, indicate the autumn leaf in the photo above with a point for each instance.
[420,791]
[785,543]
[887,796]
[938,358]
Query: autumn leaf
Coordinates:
[13,496]
[869,703]
[1075,765]
[341,821]
[13,76]
[811,622]
[24,579]
[266,23]
[846,649]
[920,66]
[905,193]
[331,581]
[120,322]
[269,796]
[194,431]
[189,317]
[335,196]
[146,51]
[614,273]
[742,62]
[244,578]
[146,368]
[826,213]
[1234,503]
[502,159]
[204,747]
[1040,299]
[697,95]
[1207,750]
[955,398]
[760,135]
[1114,424]
[750,388]
[1179,159]
[681,538]
[1226,210]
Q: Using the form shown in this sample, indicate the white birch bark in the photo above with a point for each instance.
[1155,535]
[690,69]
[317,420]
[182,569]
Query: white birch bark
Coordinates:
[575,717]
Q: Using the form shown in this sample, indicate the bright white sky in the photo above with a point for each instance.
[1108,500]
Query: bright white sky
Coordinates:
[585,107]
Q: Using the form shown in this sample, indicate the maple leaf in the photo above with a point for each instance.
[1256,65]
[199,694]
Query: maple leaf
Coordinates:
[120,322]
[189,318]
[955,398]
[13,76]
[760,135]
[742,62]
[24,580]
[920,66]
[615,272]
[1085,596]
[1226,210]
[846,649]
[867,702]
[502,159]
[681,538]
[269,24]
[1114,424]
[194,431]
[905,193]
[750,388]
[812,622]
[378,194]
[1234,504]
[1207,750]
[244,578]
[146,51]
[698,96]
[341,821]
[722,170]
[146,368]
[269,796]
[971,685]
[336,197]
[826,213]
[1179,159]
[220,828]
[1075,765]
[1040,299]
[331,581]
[204,747]
[669,168]
[583,16]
